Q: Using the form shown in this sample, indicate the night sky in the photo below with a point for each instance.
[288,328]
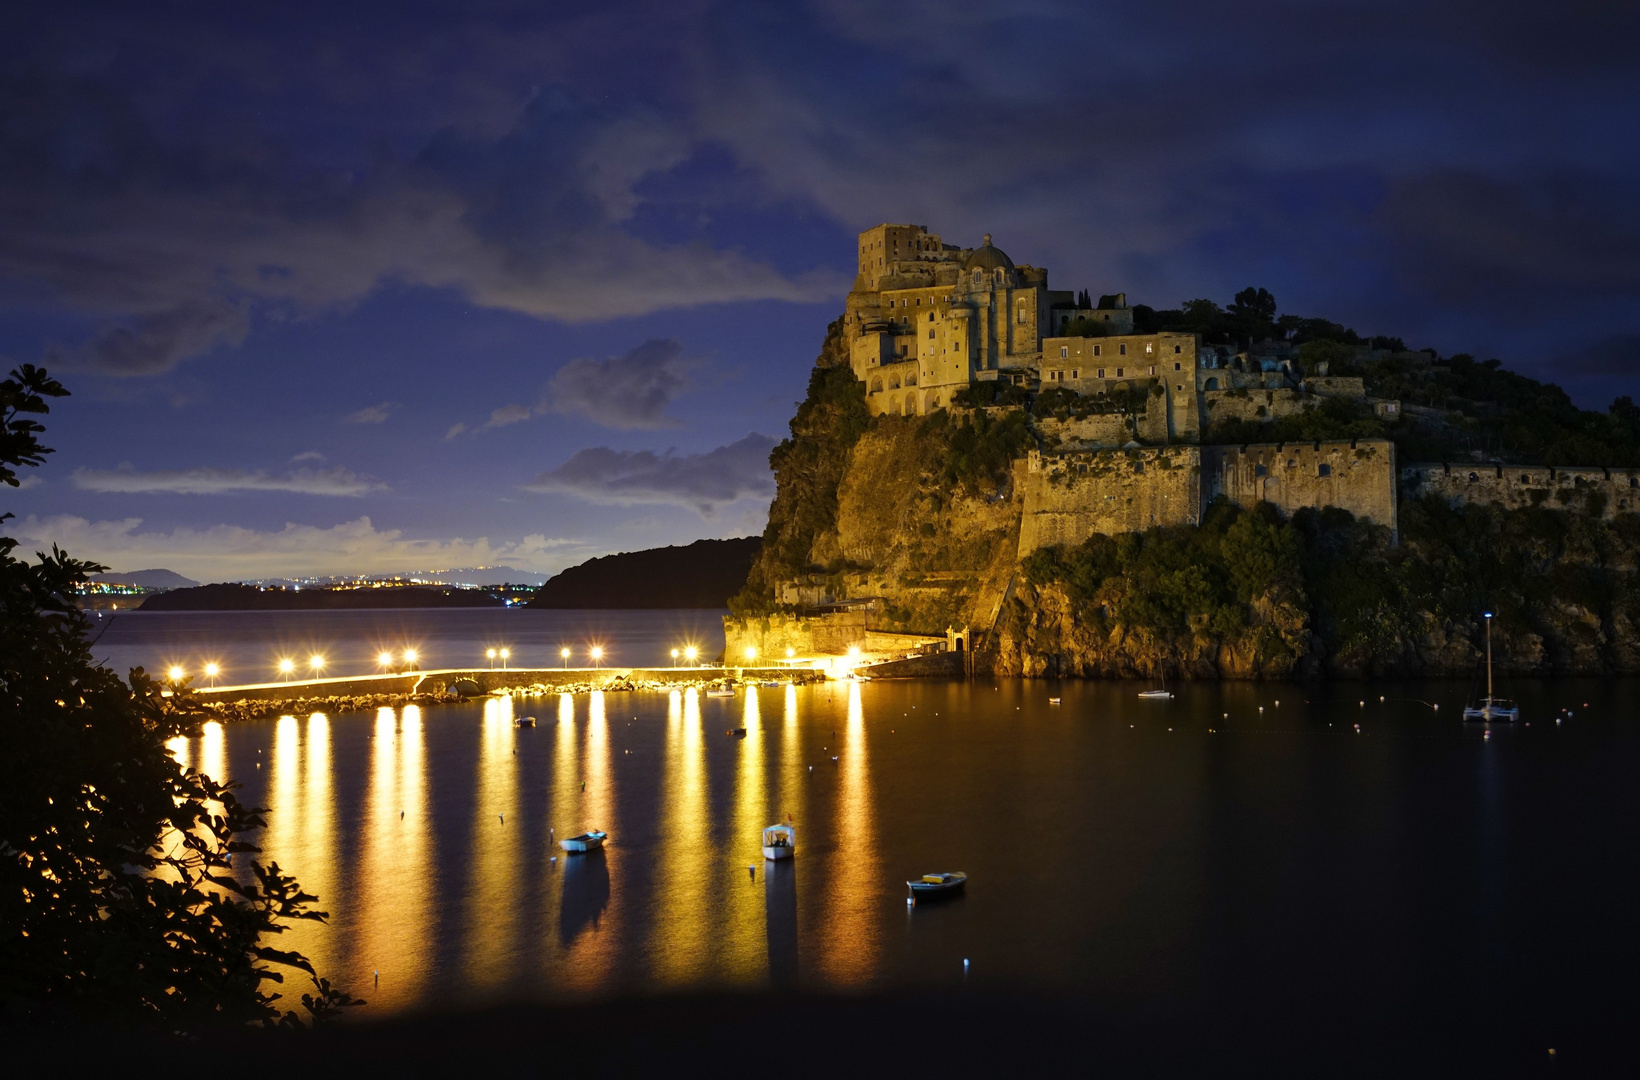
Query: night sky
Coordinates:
[380,288]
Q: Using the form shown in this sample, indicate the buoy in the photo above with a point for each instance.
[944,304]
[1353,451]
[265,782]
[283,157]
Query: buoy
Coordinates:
[1261,708]
[555,858]
[377,975]
[909,902]
[752,870]
[965,965]
[503,818]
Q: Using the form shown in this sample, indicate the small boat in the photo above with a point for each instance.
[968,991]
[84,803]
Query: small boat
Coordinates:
[779,842]
[525,721]
[1156,695]
[737,732]
[1055,701]
[931,886]
[720,692]
[770,685]
[1491,708]
[587,841]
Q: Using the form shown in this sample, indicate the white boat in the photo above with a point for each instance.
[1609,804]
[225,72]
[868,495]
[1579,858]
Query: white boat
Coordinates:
[1053,701]
[587,841]
[1491,708]
[1156,695]
[720,693]
[779,842]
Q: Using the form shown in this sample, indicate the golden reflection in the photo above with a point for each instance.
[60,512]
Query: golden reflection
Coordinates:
[179,749]
[495,852]
[213,752]
[586,916]
[849,933]
[299,815]
[394,908]
[682,933]
[745,945]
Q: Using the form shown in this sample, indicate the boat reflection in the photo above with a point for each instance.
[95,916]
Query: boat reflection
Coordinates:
[586,895]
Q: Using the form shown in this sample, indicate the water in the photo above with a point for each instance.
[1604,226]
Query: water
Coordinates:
[249,644]
[1141,855]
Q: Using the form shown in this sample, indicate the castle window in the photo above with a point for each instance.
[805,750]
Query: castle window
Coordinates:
[1177,349]
[1001,275]
[1022,316]
[1149,348]
[1118,373]
[1101,373]
[1634,482]
[1260,470]
[979,276]
[930,316]
[930,333]
[1323,469]
[1076,374]
[1122,349]
[1180,388]
[1153,369]
[1096,351]
[1212,384]
[1525,478]
[1473,477]
[1178,367]
[1064,351]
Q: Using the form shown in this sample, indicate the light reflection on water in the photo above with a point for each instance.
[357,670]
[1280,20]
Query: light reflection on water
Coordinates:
[1110,842]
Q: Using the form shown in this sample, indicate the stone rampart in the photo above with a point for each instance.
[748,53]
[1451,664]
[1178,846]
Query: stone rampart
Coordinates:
[1254,405]
[1515,487]
[1358,476]
[1069,497]
[824,634]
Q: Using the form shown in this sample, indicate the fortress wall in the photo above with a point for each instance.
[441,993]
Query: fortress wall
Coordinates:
[1516,487]
[1336,386]
[1107,430]
[1069,497]
[1358,476]
[1255,405]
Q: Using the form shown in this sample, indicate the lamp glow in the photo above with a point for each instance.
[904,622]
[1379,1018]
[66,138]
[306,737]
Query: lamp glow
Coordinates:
[597,654]
[790,653]
[316,662]
[176,673]
[211,672]
[751,653]
[564,654]
[409,656]
[385,659]
[286,666]
[690,653]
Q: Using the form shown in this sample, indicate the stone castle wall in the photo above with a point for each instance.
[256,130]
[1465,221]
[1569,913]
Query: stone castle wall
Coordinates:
[1254,405]
[1358,476]
[1516,487]
[1069,497]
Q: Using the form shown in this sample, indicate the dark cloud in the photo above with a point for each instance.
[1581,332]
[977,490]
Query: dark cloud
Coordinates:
[623,392]
[703,482]
[1617,356]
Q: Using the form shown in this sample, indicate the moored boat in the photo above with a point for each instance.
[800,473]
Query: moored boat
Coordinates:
[1491,707]
[779,842]
[720,691]
[1156,695]
[525,721]
[931,886]
[1053,701]
[587,841]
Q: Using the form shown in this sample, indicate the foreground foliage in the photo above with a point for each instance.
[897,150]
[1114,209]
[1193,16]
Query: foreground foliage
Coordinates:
[127,890]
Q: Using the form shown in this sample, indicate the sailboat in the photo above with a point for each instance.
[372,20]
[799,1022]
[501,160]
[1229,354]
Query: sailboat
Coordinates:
[1491,708]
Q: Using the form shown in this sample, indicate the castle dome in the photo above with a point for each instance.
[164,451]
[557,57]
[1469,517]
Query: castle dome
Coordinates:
[986,257]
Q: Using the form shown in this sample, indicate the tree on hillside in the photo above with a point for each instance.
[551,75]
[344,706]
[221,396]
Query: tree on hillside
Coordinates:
[119,897]
[1253,314]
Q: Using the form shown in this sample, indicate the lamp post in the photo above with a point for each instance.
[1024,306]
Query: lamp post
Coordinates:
[410,659]
[504,654]
[491,654]
[564,654]
[175,673]
[674,658]
[317,663]
[211,671]
[691,653]
[597,655]
[286,667]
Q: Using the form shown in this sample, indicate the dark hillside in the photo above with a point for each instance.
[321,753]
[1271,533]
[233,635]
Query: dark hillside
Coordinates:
[700,575]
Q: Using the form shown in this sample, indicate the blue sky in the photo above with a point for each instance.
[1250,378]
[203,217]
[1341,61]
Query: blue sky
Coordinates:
[363,288]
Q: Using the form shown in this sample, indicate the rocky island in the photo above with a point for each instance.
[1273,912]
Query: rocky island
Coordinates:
[1053,485]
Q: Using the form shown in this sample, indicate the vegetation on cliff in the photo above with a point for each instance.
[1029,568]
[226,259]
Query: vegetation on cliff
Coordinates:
[1252,596]
[808,466]
[703,574]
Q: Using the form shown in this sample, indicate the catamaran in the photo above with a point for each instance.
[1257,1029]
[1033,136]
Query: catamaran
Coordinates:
[1491,708]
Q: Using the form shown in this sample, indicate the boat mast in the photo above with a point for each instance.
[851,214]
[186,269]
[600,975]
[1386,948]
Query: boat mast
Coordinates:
[1489,657]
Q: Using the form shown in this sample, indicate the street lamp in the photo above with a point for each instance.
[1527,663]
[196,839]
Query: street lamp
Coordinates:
[384,659]
[790,653]
[211,672]
[491,654]
[504,654]
[564,654]
[597,654]
[317,663]
[176,673]
[674,658]
[690,653]
[410,658]
[751,654]
[286,666]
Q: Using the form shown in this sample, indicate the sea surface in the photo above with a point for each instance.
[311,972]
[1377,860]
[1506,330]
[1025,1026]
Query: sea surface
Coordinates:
[248,645]
[1287,853]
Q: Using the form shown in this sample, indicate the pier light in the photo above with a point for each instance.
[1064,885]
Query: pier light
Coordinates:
[491,654]
[854,652]
[691,653]
[751,652]
[286,666]
[790,653]
[316,662]
[504,654]
[410,656]
[597,654]
[384,659]
[564,655]
[175,673]
[674,658]
[211,672]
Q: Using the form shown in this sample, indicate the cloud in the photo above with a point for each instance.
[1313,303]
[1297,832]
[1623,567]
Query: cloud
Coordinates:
[703,482]
[623,392]
[455,429]
[231,553]
[372,414]
[507,414]
[26,482]
[1616,356]
[182,240]
[307,455]
[208,481]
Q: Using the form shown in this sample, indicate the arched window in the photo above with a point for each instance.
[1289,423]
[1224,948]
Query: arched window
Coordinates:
[1525,478]
[930,316]
[1002,275]
[979,277]
[1212,384]
[1474,477]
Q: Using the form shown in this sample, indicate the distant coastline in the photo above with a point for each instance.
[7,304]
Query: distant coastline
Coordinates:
[234,597]
[699,575]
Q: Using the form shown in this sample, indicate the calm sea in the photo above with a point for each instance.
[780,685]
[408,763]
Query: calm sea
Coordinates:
[248,645]
[1285,853]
